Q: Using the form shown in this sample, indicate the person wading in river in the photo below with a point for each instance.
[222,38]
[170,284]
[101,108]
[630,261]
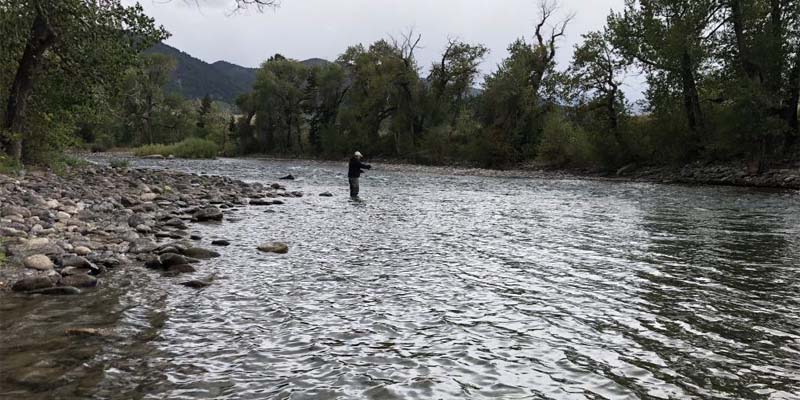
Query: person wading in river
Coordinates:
[354,172]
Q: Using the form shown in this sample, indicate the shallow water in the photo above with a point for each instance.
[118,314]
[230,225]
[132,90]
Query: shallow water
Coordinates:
[443,286]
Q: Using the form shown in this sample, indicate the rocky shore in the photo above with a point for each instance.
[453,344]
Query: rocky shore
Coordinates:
[61,234]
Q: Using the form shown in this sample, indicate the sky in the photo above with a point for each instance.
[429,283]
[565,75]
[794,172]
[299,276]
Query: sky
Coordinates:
[302,29]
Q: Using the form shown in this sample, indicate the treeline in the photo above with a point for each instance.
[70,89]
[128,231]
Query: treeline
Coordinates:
[723,82]
[723,78]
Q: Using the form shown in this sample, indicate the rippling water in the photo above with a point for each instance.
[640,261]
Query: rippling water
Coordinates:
[444,286]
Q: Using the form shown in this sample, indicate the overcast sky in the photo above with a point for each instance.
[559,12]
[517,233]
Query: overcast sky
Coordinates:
[303,29]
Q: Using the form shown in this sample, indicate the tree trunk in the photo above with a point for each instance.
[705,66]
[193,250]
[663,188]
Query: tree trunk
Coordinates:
[691,99]
[41,38]
[790,108]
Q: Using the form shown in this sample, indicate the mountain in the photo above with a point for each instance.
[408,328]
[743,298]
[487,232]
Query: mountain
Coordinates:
[194,78]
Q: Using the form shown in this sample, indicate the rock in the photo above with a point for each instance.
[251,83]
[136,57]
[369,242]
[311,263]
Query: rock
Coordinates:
[297,194]
[80,280]
[196,284]
[58,290]
[203,254]
[11,232]
[12,210]
[148,196]
[38,262]
[169,259]
[152,261]
[82,250]
[176,223]
[181,269]
[75,271]
[208,214]
[99,332]
[62,216]
[196,237]
[220,242]
[128,201]
[274,247]
[326,194]
[143,229]
[277,202]
[153,157]
[32,283]
[79,262]
[142,245]
[52,204]
[289,177]
[135,220]
[260,202]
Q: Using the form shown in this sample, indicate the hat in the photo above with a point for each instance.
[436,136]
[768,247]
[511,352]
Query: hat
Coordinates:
[358,154]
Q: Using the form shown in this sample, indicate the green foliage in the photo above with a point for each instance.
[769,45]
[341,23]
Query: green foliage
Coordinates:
[187,148]
[8,165]
[84,47]
[565,143]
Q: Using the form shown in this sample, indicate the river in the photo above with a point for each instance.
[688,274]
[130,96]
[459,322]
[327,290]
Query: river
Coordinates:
[442,285]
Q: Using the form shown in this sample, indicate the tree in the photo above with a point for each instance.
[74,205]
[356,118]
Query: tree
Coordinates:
[452,77]
[90,41]
[325,91]
[518,95]
[669,39]
[762,49]
[144,103]
[202,113]
[278,102]
[596,72]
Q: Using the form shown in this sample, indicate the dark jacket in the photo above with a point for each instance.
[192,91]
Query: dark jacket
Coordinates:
[355,168]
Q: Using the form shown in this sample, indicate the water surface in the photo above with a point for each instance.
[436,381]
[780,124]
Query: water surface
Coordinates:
[439,285]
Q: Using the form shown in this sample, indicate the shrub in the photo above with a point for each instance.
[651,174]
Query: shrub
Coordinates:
[195,148]
[565,143]
[152,149]
[8,165]
[187,148]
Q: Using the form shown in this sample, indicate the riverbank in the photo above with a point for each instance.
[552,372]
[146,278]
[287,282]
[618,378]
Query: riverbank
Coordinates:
[61,234]
[784,175]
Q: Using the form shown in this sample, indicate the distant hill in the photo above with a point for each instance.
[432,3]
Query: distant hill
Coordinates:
[194,78]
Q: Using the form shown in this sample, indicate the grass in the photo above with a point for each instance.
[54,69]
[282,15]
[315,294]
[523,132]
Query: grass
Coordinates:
[61,164]
[187,148]
[8,166]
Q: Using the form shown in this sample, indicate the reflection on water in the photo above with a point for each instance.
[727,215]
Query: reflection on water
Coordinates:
[444,286]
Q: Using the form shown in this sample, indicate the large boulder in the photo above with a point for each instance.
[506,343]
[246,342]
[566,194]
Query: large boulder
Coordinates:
[39,262]
[274,247]
[197,252]
[58,290]
[208,214]
[33,283]
[80,281]
[196,284]
[73,261]
[170,259]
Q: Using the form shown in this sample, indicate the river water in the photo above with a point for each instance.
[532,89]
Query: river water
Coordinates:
[440,285]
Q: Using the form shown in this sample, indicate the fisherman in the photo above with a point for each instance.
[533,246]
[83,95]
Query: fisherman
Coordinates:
[354,172]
